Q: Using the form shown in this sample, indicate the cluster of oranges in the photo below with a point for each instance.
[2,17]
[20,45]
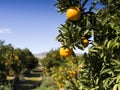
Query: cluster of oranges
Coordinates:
[73,13]
[60,84]
[58,79]
[71,74]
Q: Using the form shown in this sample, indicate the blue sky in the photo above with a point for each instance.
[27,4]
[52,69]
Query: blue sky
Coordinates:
[30,24]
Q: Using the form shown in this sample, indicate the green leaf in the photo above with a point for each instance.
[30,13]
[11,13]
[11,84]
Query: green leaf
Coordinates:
[106,81]
[94,43]
[118,79]
[111,81]
[105,42]
[115,44]
[116,87]
[86,32]
[104,21]
[99,48]
[87,22]
[105,71]
[96,88]
[80,46]
[116,61]
[93,51]
[108,44]
[102,55]
[117,69]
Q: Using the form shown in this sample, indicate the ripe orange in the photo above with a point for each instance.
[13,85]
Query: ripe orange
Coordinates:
[73,13]
[64,52]
[85,42]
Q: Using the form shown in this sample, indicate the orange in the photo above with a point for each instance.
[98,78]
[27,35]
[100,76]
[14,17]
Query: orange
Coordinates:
[64,52]
[73,13]
[85,42]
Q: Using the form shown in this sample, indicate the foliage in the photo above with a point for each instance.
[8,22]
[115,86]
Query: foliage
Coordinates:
[66,74]
[6,87]
[29,60]
[52,59]
[13,60]
[71,33]
[47,84]
[102,63]
[64,70]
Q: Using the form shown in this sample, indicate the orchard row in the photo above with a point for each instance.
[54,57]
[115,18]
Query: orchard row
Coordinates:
[14,60]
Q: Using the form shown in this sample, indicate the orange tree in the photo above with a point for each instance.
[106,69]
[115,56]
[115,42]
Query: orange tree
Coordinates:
[102,69]
[14,60]
[3,71]
[29,60]
[52,59]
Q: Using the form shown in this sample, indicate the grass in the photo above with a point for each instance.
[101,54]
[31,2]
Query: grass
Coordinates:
[47,84]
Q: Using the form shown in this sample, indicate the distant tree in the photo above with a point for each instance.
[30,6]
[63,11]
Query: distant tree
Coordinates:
[29,60]
[52,59]
[1,42]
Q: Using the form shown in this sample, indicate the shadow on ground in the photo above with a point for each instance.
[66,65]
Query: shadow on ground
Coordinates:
[27,82]
[26,85]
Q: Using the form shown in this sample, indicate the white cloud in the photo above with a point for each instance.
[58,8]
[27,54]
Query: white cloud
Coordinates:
[5,31]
